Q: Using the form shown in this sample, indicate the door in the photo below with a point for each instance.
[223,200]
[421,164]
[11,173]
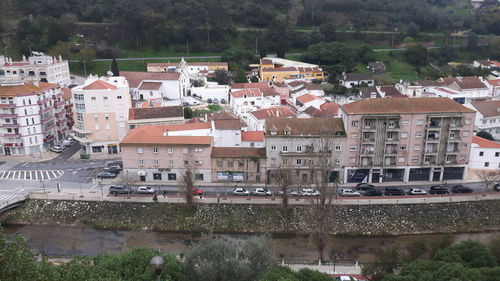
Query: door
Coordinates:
[7,150]
[436,176]
[375,177]
[142,178]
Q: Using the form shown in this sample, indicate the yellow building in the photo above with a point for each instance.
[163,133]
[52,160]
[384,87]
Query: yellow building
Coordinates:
[277,69]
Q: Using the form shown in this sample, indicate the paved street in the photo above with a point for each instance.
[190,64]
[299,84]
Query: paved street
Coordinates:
[29,175]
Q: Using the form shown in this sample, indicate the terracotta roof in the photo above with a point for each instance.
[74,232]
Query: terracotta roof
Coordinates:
[274,112]
[280,85]
[259,85]
[305,98]
[247,93]
[296,83]
[404,105]
[304,127]
[135,78]
[487,108]
[280,69]
[330,109]
[266,61]
[27,88]
[312,87]
[100,85]
[227,124]
[267,92]
[313,111]
[256,136]
[469,83]
[66,93]
[484,143]
[151,86]
[224,115]
[155,135]
[494,82]
[446,90]
[391,91]
[238,152]
[355,77]
[155,112]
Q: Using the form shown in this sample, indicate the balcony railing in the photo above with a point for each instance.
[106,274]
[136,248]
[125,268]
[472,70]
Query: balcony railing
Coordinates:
[7,115]
[7,105]
[10,125]
[11,135]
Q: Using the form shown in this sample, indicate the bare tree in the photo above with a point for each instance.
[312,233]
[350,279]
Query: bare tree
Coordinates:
[187,180]
[488,177]
[284,179]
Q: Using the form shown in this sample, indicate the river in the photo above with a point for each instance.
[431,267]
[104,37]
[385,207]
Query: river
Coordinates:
[61,241]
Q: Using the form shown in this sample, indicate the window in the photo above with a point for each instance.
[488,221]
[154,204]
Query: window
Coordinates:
[338,147]
[241,163]
[171,163]
[172,176]
[198,177]
[406,122]
[352,160]
[92,98]
[481,153]
[105,98]
[140,150]
[466,133]
[404,135]
[337,161]
[184,150]
[299,148]
[485,121]
[497,154]
[416,147]
[486,164]
[467,121]
[464,145]
[420,122]
[155,149]
[354,123]
[402,147]
[288,133]
[198,149]
[299,161]
[156,162]
[418,134]
[401,159]
[170,150]
[119,97]
[141,162]
[354,136]
[157,176]
[229,163]
[219,163]
[352,148]
[284,148]
[414,159]
[198,162]
[273,147]
[186,162]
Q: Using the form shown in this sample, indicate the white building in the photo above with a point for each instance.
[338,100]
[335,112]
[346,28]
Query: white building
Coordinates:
[494,86]
[243,102]
[307,100]
[212,91]
[38,67]
[32,117]
[101,113]
[350,80]
[484,154]
[487,117]
[257,119]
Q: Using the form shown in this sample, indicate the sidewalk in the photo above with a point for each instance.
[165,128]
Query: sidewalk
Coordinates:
[340,269]
[106,156]
[37,157]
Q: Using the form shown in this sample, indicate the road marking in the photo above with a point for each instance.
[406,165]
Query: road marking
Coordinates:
[31,175]
[54,174]
[47,173]
[3,173]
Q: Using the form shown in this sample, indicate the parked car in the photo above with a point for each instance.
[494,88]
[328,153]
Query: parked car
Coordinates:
[364,186]
[262,192]
[113,169]
[239,191]
[394,191]
[496,187]
[373,192]
[461,189]
[57,149]
[345,278]
[118,189]
[197,191]
[437,189]
[309,192]
[145,190]
[116,162]
[417,191]
[348,192]
[289,192]
[106,175]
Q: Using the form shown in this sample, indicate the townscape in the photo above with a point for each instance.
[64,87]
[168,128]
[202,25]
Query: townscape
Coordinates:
[294,139]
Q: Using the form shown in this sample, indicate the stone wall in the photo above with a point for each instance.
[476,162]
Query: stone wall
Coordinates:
[241,218]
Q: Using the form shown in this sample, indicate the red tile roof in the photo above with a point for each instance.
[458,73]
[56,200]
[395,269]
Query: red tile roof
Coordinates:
[155,135]
[391,91]
[238,152]
[404,105]
[150,86]
[313,111]
[155,112]
[484,143]
[247,93]
[487,108]
[494,82]
[259,85]
[304,127]
[27,88]
[465,83]
[330,109]
[256,136]
[135,78]
[305,98]
[274,112]
[100,85]
[446,90]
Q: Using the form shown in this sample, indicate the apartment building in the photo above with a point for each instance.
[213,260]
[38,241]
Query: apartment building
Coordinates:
[279,70]
[32,117]
[487,116]
[402,139]
[101,114]
[36,68]
[305,147]
[238,164]
[150,154]
[484,155]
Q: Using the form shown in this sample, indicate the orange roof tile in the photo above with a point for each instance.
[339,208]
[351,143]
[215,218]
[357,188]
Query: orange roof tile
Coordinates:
[258,85]
[27,88]
[135,78]
[257,136]
[487,108]
[494,82]
[155,135]
[247,93]
[274,112]
[330,109]
[306,98]
[484,143]
[100,85]
[404,105]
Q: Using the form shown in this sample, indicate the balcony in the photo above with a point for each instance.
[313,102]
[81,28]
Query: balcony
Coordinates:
[10,125]
[12,135]
[58,103]
[47,119]
[369,128]
[434,124]
[392,128]
[42,101]
[48,138]
[7,105]
[11,144]
[391,140]
[367,151]
[8,115]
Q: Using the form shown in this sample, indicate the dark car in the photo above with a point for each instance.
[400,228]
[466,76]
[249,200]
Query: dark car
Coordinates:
[437,189]
[372,192]
[118,189]
[106,175]
[496,186]
[113,169]
[364,186]
[461,189]
[114,163]
[394,191]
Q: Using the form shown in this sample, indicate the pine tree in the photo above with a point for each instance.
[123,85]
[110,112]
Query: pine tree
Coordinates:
[114,68]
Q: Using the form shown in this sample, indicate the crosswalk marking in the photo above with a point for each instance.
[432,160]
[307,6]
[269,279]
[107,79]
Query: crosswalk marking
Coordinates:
[40,175]
[3,173]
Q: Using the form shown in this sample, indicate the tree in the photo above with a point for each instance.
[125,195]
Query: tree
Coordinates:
[284,180]
[494,246]
[472,41]
[488,177]
[85,56]
[485,135]
[416,55]
[187,185]
[222,260]
[386,262]
[114,68]
[469,253]
[240,77]
[188,112]
[413,29]
[222,77]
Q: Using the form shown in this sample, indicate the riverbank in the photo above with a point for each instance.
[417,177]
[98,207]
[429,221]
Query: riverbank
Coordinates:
[346,220]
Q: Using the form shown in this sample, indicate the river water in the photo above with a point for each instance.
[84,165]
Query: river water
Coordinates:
[61,241]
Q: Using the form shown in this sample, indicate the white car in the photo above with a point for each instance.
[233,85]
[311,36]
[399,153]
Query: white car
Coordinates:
[417,191]
[348,192]
[309,192]
[145,190]
[289,192]
[262,192]
[57,149]
[239,191]
[345,278]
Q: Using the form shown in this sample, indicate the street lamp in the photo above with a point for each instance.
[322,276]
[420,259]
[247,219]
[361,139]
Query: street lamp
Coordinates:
[157,265]
[334,256]
[102,192]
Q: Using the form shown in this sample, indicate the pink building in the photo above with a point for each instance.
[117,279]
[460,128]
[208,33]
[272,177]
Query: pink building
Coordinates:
[150,154]
[400,139]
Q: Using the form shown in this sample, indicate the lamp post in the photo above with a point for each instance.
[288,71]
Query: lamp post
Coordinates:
[334,256]
[102,192]
[157,265]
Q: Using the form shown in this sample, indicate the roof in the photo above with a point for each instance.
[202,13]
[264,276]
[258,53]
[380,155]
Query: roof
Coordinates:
[313,111]
[238,152]
[404,105]
[100,85]
[330,109]
[155,112]
[66,93]
[227,124]
[274,112]
[256,136]
[305,98]
[487,108]
[391,91]
[269,92]
[296,83]
[446,90]
[494,82]
[355,77]
[135,78]
[26,88]
[365,92]
[280,85]
[304,127]
[246,93]
[155,135]
[484,143]
[150,86]
[266,61]
[280,69]
[312,87]
[259,85]
[469,83]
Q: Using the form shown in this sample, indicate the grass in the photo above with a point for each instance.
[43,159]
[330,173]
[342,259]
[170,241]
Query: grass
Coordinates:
[397,67]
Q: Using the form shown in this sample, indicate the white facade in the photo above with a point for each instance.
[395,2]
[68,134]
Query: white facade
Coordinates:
[212,90]
[227,138]
[38,67]
[246,101]
[484,158]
